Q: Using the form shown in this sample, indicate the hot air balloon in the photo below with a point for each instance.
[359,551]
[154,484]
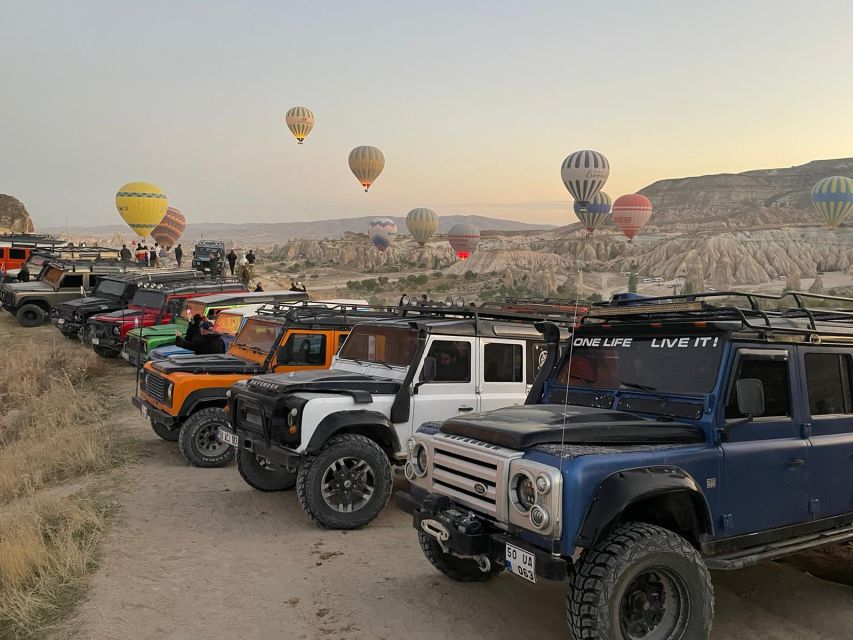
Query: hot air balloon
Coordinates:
[381,232]
[584,174]
[631,213]
[170,228]
[464,238]
[421,223]
[595,213]
[366,163]
[833,199]
[142,205]
[300,121]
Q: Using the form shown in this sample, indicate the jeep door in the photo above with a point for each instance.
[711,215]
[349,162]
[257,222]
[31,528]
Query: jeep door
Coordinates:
[765,462]
[453,390]
[302,351]
[501,373]
[828,382]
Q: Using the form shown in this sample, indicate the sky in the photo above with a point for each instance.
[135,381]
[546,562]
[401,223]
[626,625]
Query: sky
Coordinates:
[475,103]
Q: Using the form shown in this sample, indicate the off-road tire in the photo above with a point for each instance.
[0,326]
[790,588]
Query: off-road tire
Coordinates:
[313,468]
[30,315]
[260,478]
[594,604]
[105,352]
[169,435]
[457,569]
[197,432]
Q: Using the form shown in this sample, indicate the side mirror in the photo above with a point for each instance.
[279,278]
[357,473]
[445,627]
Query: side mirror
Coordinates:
[750,397]
[427,373]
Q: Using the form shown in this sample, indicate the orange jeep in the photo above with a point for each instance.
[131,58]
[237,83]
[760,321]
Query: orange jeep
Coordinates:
[183,396]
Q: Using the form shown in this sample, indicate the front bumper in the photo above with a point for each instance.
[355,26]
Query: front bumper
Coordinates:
[257,444]
[470,534]
[68,327]
[148,410]
[103,336]
[135,358]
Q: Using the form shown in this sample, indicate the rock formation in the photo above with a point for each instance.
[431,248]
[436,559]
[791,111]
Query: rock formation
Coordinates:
[14,217]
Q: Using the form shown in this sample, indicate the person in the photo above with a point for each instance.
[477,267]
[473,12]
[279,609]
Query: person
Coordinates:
[206,341]
[258,287]
[449,367]
[251,256]
[125,254]
[296,286]
[142,255]
[193,327]
[24,274]
[304,352]
[179,253]
[162,256]
[215,264]
[154,260]
[232,260]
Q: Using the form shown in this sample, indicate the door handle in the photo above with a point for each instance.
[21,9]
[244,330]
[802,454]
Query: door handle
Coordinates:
[464,409]
[796,462]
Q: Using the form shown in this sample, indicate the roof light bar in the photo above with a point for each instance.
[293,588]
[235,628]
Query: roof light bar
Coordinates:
[645,309]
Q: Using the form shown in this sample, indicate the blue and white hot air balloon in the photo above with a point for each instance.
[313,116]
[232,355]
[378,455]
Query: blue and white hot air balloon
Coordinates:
[596,213]
[381,232]
[833,199]
[584,174]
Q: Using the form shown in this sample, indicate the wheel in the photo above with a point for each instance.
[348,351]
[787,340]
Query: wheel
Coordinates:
[642,582]
[198,441]
[458,569]
[346,484]
[261,475]
[30,315]
[165,432]
[105,352]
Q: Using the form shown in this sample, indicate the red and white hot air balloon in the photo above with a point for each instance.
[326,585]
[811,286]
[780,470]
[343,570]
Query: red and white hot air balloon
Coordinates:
[631,213]
[464,238]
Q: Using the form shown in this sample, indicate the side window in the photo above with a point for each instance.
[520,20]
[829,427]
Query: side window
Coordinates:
[341,339]
[828,383]
[773,374]
[93,281]
[72,280]
[452,360]
[18,254]
[503,363]
[537,353]
[303,349]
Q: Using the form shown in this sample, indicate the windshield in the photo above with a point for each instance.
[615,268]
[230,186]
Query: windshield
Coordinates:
[148,298]
[388,345]
[258,335]
[192,308]
[677,365]
[52,275]
[227,323]
[112,288]
[205,251]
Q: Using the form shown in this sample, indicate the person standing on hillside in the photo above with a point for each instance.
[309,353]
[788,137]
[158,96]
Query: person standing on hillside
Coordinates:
[179,253]
[215,264]
[251,256]
[232,260]
[125,254]
[155,259]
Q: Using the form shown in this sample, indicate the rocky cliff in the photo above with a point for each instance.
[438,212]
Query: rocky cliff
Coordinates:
[14,216]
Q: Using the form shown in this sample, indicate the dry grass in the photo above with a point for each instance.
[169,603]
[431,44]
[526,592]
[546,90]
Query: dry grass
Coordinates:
[53,431]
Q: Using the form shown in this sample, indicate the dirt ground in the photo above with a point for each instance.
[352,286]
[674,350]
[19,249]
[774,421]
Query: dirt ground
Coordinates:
[200,555]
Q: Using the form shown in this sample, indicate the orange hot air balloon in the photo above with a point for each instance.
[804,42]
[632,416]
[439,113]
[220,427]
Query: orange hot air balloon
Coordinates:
[170,228]
[631,213]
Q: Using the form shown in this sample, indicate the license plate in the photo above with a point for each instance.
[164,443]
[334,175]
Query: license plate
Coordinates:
[60,321]
[229,438]
[144,411]
[125,355]
[95,341]
[521,563]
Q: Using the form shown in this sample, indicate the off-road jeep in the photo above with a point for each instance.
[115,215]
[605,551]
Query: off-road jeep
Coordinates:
[153,303]
[203,251]
[31,302]
[113,292]
[140,341]
[674,436]
[184,396]
[336,435]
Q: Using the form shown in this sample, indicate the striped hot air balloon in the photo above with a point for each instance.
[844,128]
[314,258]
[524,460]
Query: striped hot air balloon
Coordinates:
[464,238]
[366,163]
[142,205]
[584,174]
[300,121]
[595,213]
[381,232]
[422,223]
[833,199]
[631,213]
[170,228]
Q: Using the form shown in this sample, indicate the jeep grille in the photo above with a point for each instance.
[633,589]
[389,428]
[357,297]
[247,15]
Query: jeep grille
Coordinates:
[133,344]
[156,387]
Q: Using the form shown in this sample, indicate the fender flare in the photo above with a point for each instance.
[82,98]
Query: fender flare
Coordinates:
[202,395]
[372,423]
[39,302]
[620,490]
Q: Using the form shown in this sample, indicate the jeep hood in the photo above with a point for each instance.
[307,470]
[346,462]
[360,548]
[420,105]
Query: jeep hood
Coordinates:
[33,286]
[160,330]
[211,363]
[92,304]
[530,425]
[324,380]
[120,315]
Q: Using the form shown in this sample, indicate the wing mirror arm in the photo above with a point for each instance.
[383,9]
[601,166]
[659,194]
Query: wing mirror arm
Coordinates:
[749,393]
[427,374]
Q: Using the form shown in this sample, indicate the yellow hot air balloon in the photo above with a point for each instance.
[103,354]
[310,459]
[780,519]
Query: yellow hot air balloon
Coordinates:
[366,163]
[142,205]
[300,121]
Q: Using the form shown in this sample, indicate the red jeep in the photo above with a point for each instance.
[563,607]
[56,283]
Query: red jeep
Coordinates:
[153,303]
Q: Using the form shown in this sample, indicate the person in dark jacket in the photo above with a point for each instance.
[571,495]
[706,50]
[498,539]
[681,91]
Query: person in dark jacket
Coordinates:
[204,342]
[251,256]
[193,327]
[258,287]
[154,259]
[296,286]
[24,274]
[179,253]
[125,254]
[232,260]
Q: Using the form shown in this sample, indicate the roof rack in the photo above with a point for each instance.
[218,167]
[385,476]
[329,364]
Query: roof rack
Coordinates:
[188,283]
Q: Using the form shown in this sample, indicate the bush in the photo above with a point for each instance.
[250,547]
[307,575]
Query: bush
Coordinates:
[470,275]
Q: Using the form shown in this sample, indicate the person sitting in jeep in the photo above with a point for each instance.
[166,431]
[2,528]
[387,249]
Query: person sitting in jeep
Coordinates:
[205,341]
[451,366]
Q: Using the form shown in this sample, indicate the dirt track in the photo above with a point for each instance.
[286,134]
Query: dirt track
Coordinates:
[200,555]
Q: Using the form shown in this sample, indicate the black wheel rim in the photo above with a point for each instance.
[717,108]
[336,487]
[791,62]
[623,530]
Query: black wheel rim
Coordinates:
[655,606]
[207,442]
[347,484]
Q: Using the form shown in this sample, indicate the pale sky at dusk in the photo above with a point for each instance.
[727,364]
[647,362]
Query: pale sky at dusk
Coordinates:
[474,103]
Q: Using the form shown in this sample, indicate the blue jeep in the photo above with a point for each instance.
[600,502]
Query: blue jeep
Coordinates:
[672,437]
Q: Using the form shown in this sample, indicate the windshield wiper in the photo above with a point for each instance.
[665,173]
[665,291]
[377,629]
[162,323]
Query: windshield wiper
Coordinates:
[637,385]
[370,362]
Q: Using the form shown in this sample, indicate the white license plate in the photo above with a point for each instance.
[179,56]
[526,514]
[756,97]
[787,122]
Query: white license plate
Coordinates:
[229,438]
[144,411]
[95,341]
[60,321]
[125,355]
[521,563]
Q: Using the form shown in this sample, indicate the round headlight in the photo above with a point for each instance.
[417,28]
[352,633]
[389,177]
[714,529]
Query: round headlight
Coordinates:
[169,390]
[410,444]
[539,517]
[116,330]
[419,459]
[523,492]
[77,317]
[291,417]
[543,484]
